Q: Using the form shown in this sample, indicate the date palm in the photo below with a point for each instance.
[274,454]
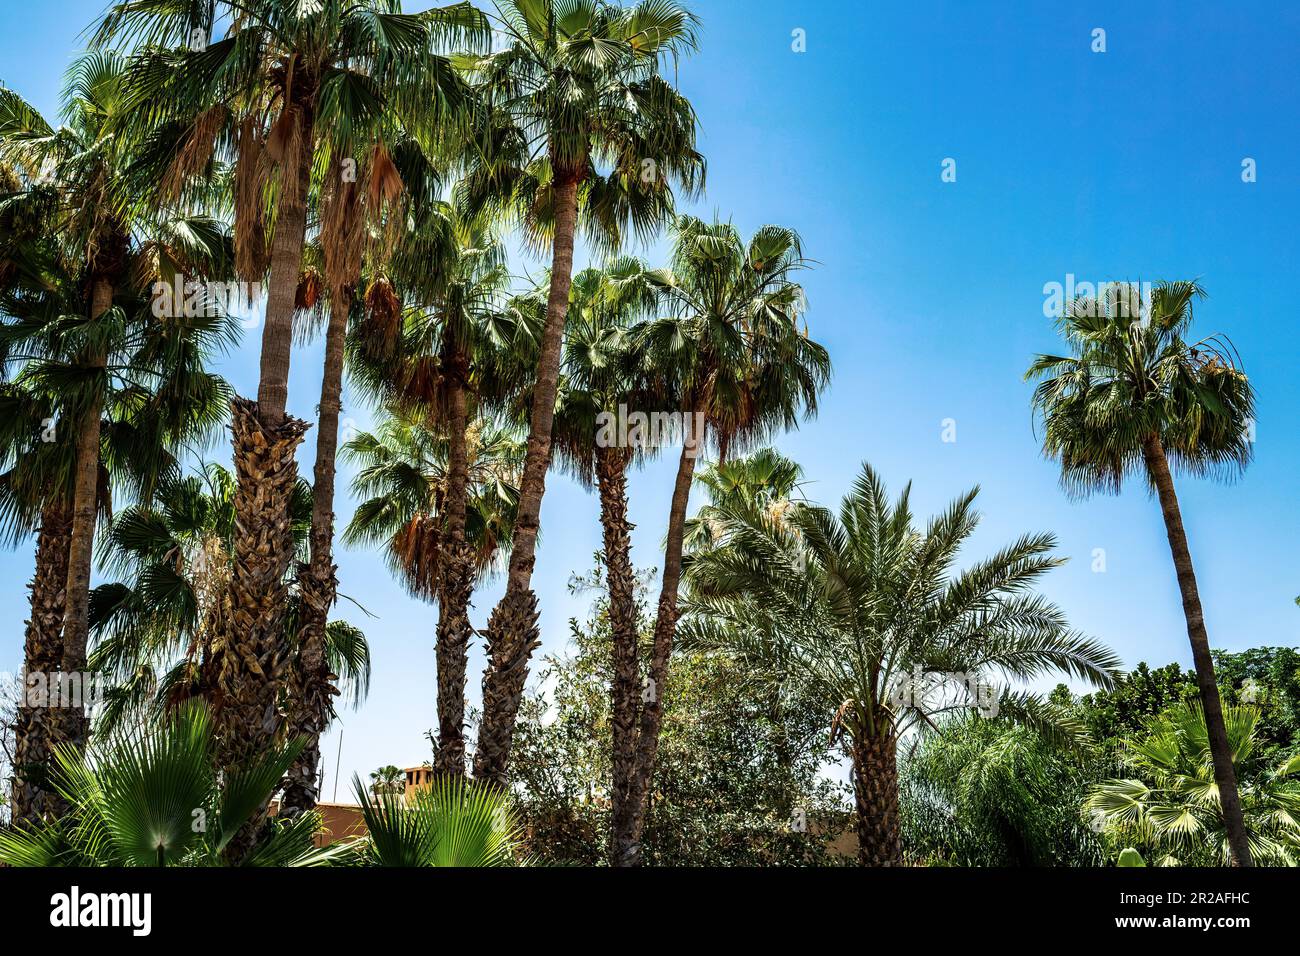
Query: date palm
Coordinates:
[261,97]
[733,356]
[871,616]
[1134,395]
[579,119]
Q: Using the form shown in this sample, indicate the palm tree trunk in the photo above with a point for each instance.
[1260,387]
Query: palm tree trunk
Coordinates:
[34,731]
[74,725]
[629,850]
[247,664]
[875,797]
[611,479]
[1225,776]
[512,629]
[286,266]
[455,585]
[311,683]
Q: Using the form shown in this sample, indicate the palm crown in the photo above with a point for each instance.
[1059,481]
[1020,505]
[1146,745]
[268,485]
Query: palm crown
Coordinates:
[1128,378]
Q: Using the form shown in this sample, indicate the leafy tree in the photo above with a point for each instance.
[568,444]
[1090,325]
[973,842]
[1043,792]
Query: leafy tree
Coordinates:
[1172,805]
[724,792]
[871,616]
[1134,395]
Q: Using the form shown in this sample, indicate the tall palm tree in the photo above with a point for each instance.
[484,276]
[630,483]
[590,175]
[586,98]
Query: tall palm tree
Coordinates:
[359,205]
[142,375]
[575,86]
[78,169]
[261,96]
[449,357]
[405,479]
[603,378]
[735,358]
[871,616]
[1134,394]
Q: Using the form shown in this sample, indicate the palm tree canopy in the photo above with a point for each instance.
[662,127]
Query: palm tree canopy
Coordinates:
[734,344]
[856,607]
[1132,373]
[574,95]
[402,480]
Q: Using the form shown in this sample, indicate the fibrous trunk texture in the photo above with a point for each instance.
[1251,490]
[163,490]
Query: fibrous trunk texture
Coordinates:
[625,691]
[455,586]
[74,724]
[512,629]
[247,659]
[875,795]
[311,684]
[36,731]
[1225,775]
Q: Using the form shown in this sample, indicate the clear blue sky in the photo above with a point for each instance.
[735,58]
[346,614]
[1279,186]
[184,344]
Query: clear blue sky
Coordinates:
[929,295]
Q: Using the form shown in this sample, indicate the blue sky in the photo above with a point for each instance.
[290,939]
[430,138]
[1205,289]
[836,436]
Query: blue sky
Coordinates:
[1117,165]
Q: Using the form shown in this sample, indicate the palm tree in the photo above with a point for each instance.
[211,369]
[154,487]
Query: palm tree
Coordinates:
[765,479]
[870,615]
[77,172]
[452,823]
[387,779]
[603,378]
[359,204]
[406,481]
[452,356]
[141,374]
[1173,804]
[155,626]
[284,75]
[736,361]
[575,84]
[1134,394]
[151,797]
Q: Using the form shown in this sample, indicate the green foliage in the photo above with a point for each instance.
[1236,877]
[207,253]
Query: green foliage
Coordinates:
[1122,711]
[735,777]
[983,792]
[1171,803]
[150,797]
[455,822]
